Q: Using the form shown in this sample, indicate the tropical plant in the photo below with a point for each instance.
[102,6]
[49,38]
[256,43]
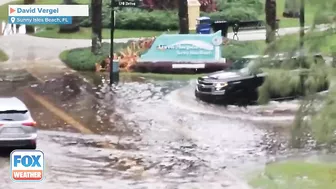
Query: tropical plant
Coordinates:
[128,57]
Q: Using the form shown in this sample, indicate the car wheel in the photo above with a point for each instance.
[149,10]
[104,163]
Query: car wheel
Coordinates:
[196,94]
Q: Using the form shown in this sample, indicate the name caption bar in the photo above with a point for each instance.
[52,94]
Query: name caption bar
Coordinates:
[40,20]
[48,10]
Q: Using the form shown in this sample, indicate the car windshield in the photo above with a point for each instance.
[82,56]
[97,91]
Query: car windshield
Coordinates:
[239,64]
[246,70]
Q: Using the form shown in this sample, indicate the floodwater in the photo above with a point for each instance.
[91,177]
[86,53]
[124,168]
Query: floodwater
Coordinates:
[145,133]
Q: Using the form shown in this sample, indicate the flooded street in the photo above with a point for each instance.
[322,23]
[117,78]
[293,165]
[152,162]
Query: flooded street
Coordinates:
[143,133]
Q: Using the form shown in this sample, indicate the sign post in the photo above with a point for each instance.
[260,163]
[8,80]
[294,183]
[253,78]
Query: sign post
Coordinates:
[117,3]
[112,41]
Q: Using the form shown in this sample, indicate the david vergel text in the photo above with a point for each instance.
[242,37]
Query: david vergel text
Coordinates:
[46,19]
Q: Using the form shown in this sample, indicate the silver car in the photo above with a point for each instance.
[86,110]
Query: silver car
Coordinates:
[17,127]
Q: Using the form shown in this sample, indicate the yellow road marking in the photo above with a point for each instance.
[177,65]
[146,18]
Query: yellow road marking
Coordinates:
[34,75]
[58,112]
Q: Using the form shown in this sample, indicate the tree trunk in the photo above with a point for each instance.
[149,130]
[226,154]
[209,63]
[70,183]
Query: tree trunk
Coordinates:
[28,2]
[291,9]
[29,28]
[67,2]
[270,12]
[75,25]
[96,7]
[183,16]
[333,55]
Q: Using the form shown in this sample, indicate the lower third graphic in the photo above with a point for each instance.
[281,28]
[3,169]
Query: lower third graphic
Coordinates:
[40,20]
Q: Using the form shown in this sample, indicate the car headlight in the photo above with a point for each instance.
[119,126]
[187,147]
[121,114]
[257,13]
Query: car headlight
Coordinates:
[218,86]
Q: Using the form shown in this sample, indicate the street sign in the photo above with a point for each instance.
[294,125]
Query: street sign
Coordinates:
[127,3]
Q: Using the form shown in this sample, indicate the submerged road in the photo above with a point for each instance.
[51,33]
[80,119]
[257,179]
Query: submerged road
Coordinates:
[136,137]
[142,134]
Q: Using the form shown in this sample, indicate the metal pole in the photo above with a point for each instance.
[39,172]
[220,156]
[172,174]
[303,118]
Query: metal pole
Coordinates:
[302,56]
[111,42]
[302,23]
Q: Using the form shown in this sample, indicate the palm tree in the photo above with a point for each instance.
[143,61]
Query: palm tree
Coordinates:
[96,16]
[67,2]
[29,28]
[270,12]
[291,9]
[28,2]
[75,25]
[183,16]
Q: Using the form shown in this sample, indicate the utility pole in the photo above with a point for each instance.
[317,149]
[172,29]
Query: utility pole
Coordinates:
[111,43]
[183,16]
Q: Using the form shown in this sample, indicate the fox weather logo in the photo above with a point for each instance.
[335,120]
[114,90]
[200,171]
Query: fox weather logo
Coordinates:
[27,165]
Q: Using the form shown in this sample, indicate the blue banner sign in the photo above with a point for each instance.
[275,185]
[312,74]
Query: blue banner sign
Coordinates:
[40,20]
[185,48]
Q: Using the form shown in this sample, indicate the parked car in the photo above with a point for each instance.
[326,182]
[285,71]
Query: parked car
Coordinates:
[238,85]
[17,127]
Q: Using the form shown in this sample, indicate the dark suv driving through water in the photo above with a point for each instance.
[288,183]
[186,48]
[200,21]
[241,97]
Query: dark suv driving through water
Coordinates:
[238,85]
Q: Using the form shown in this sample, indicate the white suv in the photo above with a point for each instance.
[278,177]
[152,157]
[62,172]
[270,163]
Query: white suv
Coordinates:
[17,127]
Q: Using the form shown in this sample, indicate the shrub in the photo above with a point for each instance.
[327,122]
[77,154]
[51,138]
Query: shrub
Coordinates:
[82,59]
[137,19]
[255,5]
[239,13]
[206,5]
[144,20]
[3,56]
[324,17]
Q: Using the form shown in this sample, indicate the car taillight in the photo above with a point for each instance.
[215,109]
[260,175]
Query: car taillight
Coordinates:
[1,124]
[31,124]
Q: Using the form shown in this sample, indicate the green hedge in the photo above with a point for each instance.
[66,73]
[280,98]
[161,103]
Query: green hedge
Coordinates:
[83,60]
[162,20]
[234,13]
[255,5]
[144,20]
[137,19]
